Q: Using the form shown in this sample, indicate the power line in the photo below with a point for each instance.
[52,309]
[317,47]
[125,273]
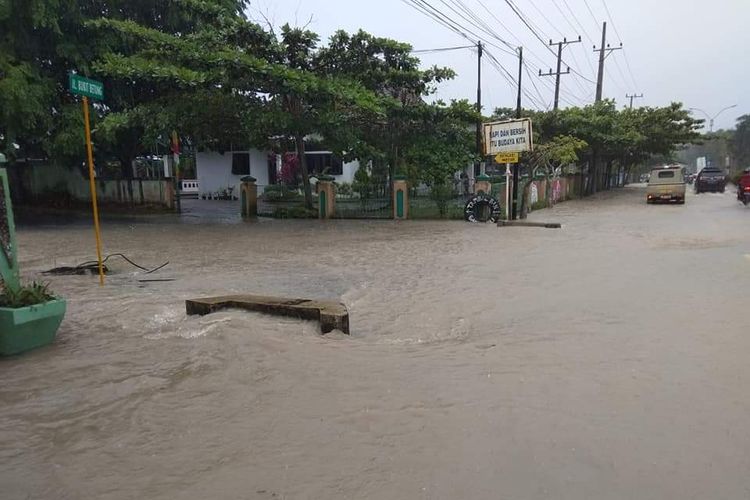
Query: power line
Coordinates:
[474,24]
[627,65]
[575,18]
[622,75]
[588,7]
[511,79]
[481,23]
[545,18]
[533,84]
[455,26]
[619,38]
[516,10]
[441,49]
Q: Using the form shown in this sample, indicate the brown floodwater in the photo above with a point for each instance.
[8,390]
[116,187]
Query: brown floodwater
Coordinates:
[607,359]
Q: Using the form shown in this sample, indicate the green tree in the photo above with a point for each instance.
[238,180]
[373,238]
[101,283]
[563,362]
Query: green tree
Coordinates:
[387,68]
[740,142]
[41,41]
[444,147]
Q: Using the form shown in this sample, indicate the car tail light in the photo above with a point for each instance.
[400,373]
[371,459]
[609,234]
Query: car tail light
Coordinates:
[747,188]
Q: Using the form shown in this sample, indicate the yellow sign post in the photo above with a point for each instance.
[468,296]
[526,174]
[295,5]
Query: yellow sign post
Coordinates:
[506,158]
[92,186]
[90,88]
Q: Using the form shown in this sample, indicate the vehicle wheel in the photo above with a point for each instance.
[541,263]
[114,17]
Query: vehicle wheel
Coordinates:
[681,202]
[722,190]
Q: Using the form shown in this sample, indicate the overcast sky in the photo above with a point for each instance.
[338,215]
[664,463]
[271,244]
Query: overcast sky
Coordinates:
[691,51]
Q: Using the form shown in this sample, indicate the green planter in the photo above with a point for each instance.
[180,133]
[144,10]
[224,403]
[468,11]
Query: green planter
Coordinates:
[29,327]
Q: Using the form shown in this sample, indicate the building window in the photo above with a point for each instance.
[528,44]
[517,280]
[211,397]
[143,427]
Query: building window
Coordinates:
[241,163]
[324,163]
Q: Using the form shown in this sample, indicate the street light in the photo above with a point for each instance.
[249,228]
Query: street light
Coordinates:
[712,118]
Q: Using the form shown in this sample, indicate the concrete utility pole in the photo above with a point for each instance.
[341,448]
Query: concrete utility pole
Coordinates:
[480,151]
[631,97]
[604,51]
[557,73]
[517,167]
[520,76]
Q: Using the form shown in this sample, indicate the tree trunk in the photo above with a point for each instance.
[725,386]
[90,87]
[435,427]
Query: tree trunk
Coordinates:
[594,173]
[608,173]
[300,140]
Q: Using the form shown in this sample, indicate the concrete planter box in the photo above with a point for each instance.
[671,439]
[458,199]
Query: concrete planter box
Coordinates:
[29,327]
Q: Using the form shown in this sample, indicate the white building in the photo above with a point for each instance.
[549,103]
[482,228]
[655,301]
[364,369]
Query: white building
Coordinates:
[221,172]
[325,162]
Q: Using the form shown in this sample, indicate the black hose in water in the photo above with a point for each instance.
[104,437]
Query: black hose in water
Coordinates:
[92,267]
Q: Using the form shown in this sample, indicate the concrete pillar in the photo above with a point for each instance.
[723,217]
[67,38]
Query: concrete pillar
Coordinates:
[248,197]
[483,185]
[326,197]
[169,193]
[400,198]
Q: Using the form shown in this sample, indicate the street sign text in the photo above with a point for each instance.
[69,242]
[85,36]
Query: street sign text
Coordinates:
[513,136]
[506,158]
[86,87]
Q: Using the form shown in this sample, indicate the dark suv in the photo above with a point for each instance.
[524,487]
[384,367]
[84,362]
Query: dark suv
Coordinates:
[710,179]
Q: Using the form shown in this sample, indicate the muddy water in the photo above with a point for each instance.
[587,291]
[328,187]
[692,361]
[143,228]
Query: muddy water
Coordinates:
[604,360]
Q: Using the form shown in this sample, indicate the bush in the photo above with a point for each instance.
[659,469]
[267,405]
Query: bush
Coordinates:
[29,295]
[294,213]
[345,189]
[279,192]
[441,194]
[362,183]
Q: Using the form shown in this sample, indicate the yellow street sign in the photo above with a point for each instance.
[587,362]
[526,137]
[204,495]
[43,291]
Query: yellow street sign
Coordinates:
[506,158]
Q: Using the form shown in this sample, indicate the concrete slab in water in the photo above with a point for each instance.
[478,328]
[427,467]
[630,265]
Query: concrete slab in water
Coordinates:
[331,315]
[521,223]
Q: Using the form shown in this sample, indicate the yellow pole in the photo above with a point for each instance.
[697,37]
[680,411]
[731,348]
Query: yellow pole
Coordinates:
[92,185]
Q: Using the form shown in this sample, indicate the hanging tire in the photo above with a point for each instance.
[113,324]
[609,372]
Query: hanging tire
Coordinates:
[479,205]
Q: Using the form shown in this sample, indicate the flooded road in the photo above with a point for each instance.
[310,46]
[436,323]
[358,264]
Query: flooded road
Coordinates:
[605,360]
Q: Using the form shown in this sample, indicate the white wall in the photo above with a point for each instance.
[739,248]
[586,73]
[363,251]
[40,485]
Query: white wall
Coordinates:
[214,170]
[348,171]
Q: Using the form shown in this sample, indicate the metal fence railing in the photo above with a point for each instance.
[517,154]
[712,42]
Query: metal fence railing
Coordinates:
[355,207]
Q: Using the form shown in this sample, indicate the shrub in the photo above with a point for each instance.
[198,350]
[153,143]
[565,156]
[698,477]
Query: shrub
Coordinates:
[345,189]
[441,194]
[28,295]
[279,192]
[294,213]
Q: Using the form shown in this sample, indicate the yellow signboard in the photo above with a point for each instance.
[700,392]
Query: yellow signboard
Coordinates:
[506,158]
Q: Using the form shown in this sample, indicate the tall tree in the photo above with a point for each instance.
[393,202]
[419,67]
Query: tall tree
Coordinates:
[41,41]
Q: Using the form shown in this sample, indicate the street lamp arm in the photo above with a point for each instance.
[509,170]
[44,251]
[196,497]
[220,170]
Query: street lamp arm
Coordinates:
[724,109]
[699,109]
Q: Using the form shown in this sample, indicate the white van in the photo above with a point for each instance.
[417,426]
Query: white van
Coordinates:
[667,185]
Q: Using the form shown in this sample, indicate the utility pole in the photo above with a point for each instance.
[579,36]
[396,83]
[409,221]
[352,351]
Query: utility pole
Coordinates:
[604,51]
[520,76]
[517,167]
[557,73]
[480,151]
[631,97]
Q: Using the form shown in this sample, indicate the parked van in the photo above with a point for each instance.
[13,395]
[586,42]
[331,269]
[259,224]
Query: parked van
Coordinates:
[666,184]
